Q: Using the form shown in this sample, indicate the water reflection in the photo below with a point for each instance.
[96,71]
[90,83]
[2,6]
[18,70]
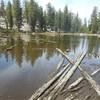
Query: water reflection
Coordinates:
[32,50]
[26,66]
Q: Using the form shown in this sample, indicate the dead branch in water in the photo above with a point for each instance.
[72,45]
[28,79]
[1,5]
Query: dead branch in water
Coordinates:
[78,81]
[40,91]
[60,63]
[53,86]
[95,86]
[93,83]
[10,48]
[65,56]
[64,81]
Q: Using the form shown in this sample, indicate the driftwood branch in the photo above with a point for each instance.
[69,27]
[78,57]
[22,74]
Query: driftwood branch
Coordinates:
[53,86]
[60,63]
[95,86]
[65,56]
[78,81]
[11,47]
[51,89]
[40,91]
[63,82]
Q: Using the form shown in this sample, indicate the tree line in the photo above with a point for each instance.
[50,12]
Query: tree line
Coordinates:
[16,14]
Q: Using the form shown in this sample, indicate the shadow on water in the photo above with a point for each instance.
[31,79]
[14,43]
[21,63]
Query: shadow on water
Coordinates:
[27,66]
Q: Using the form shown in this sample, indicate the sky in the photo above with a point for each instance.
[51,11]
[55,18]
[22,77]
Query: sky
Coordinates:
[82,7]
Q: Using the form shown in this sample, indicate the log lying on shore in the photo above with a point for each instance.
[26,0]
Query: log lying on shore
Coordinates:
[41,90]
[64,81]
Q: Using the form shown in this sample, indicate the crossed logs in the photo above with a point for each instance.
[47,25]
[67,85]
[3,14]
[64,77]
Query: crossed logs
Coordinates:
[56,86]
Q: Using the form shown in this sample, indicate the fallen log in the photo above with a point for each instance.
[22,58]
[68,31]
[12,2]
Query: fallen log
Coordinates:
[65,56]
[69,98]
[88,97]
[95,86]
[64,81]
[53,86]
[75,89]
[78,81]
[75,95]
[11,47]
[60,63]
[41,90]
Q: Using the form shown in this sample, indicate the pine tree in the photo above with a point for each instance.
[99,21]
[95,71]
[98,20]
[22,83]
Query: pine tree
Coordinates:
[32,14]
[99,23]
[26,11]
[66,19]
[40,18]
[50,16]
[2,8]
[17,13]
[44,20]
[59,21]
[9,15]
[94,21]
[3,12]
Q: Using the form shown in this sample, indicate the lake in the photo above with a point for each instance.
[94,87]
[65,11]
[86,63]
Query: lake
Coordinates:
[28,65]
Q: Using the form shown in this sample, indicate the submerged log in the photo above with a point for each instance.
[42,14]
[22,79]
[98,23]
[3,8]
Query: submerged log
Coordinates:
[94,84]
[41,90]
[64,81]
[53,86]
[88,97]
[10,48]
[65,56]
[78,81]
[60,63]
[75,89]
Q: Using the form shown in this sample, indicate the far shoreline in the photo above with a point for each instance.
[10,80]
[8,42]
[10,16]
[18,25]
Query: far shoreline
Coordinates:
[62,34]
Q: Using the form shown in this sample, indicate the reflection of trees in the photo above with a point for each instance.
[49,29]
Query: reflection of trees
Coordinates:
[19,51]
[93,46]
[32,50]
[10,42]
[96,49]
[16,52]
[64,43]
[75,41]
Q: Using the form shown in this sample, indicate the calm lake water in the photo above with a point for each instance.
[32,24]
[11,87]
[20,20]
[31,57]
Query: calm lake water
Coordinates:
[30,63]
